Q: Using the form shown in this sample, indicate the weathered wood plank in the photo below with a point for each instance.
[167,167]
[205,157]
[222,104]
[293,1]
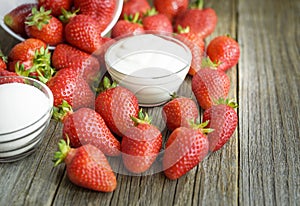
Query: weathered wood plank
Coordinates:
[269,92]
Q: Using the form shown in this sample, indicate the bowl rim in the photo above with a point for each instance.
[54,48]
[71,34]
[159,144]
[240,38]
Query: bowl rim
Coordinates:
[115,18]
[165,35]
[49,97]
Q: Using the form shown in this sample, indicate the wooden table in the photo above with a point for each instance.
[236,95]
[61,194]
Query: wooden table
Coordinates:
[259,166]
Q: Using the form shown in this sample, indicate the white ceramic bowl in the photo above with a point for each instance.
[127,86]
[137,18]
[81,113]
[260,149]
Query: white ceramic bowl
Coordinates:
[21,137]
[7,6]
[151,65]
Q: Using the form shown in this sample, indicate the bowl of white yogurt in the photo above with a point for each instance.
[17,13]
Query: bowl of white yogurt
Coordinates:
[152,65]
[26,110]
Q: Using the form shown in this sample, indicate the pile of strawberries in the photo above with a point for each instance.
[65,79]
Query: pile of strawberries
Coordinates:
[106,120]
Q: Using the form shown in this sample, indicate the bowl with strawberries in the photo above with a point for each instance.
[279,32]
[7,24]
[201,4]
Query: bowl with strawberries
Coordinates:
[46,20]
[152,65]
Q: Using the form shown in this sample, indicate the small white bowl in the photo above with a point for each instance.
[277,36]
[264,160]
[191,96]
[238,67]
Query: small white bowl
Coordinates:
[22,129]
[151,65]
[7,6]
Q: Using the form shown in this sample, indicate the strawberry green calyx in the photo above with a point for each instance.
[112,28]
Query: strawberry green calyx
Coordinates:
[60,112]
[198,4]
[201,126]
[143,118]
[67,15]
[3,57]
[64,148]
[41,66]
[38,18]
[151,12]
[133,18]
[183,30]
[229,102]
[207,63]
[106,84]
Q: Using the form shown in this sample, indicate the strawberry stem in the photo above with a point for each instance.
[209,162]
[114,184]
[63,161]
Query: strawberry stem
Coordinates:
[143,118]
[67,15]
[198,4]
[3,57]
[150,12]
[207,63]
[201,126]
[230,102]
[60,112]
[38,18]
[64,148]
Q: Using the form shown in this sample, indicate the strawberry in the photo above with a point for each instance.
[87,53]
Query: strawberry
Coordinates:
[42,25]
[225,51]
[129,25]
[101,10]
[86,167]
[31,58]
[185,149]
[223,120]
[116,105]
[67,84]
[171,8]
[153,21]
[84,32]
[3,61]
[55,5]
[201,21]
[131,7]
[15,19]
[196,45]
[86,126]
[9,77]
[209,85]
[179,112]
[66,56]
[141,144]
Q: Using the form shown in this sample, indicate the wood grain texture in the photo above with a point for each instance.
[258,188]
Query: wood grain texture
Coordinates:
[269,92]
[260,165]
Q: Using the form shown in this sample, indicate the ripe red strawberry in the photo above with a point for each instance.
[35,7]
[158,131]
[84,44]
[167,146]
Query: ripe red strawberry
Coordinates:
[185,149]
[201,21]
[31,58]
[66,56]
[196,45]
[86,167]
[84,32]
[127,26]
[42,25]
[15,19]
[131,7]
[141,144]
[9,77]
[101,10]
[55,5]
[209,85]
[223,120]
[179,112]
[171,8]
[67,84]
[116,105]
[86,126]
[153,21]
[225,51]
[3,61]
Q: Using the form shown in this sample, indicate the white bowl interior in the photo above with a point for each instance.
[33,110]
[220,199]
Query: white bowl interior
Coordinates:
[152,66]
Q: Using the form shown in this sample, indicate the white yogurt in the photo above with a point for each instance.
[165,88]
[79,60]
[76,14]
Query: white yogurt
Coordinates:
[151,66]
[25,112]
[21,105]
